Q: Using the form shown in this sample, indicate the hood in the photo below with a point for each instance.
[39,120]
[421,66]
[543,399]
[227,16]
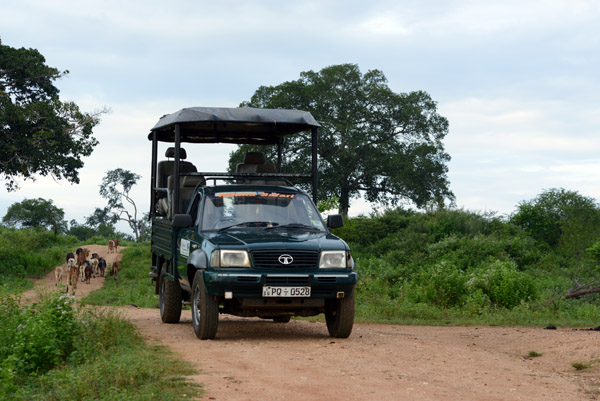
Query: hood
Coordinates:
[276,239]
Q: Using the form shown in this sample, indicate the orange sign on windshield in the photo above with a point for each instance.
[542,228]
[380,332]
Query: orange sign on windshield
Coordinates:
[251,194]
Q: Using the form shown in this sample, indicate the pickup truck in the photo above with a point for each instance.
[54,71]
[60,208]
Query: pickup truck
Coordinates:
[248,243]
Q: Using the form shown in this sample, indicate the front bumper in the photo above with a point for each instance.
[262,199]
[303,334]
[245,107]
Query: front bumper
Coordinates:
[244,284]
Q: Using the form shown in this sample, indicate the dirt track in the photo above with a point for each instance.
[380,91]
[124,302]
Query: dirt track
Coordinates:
[252,359]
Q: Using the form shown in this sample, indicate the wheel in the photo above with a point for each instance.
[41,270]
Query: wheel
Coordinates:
[339,315]
[170,299]
[282,319]
[205,310]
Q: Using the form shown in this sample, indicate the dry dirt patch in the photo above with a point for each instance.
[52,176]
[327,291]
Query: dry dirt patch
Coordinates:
[253,359]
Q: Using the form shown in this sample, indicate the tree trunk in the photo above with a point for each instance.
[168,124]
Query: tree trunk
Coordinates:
[344,201]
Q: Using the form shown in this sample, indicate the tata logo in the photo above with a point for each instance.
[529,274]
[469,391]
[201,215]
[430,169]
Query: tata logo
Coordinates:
[285,259]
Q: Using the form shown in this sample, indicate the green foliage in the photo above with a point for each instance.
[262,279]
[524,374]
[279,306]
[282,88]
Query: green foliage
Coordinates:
[36,338]
[49,351]
[32,213]
[502,284]
[133,277]
[29,252]
[329,204]
[441,284]
[558,217]
[460,267]
[39,134]
[387,144]
[85,233]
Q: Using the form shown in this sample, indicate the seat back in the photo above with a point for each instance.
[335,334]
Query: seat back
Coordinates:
[165,170]
[251,162]
[186,190]
[255,162]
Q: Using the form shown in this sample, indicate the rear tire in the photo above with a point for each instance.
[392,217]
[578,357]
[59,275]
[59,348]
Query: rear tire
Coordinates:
[170,299]
[339,315]
[205,310]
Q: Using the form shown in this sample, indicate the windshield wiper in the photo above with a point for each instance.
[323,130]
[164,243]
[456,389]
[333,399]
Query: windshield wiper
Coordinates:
[297,226]
[267,224]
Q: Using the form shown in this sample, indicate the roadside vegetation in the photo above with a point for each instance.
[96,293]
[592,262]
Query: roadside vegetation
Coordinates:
[53,351]
[460,267]
[29,253]
[134,287]
[540,266]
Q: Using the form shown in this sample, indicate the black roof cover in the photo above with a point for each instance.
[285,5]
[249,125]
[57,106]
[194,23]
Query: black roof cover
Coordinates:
[232,125]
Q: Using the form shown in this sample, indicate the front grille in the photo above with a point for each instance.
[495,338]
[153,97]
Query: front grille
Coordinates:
[271,259]
[287,280]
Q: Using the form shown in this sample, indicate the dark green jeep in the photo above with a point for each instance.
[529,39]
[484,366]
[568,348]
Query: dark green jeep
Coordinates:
[247,243]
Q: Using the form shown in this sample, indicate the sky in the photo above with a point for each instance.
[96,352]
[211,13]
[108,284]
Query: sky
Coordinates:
[518,81]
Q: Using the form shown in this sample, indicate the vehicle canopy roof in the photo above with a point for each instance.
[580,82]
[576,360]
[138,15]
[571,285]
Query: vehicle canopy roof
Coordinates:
[243,125]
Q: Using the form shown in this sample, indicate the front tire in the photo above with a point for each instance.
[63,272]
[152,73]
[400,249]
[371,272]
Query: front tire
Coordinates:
[205,310]
[170,299]
[339,316]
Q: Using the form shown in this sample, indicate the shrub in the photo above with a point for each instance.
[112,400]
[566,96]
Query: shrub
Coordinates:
[37,337]
[442,284]
[502,283]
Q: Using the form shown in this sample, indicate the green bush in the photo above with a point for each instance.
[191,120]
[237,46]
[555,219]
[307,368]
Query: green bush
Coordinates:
[442,284]
[35,338]
[31,252]
[50,351]
[502,283]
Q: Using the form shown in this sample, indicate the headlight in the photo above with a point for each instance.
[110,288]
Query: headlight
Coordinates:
[333,259]
[230,258]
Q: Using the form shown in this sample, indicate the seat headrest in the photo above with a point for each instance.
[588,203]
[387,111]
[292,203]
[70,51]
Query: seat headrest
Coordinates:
[254,158]
[192,180]
[171,153]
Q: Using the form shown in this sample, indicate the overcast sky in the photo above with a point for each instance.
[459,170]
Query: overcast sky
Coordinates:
[518,80]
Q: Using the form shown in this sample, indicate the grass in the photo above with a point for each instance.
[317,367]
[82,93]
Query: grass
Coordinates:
[52,351]
[533,354]
[133,286]
[579,366]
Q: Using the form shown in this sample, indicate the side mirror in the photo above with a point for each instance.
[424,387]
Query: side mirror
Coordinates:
[181,221]
[335,221]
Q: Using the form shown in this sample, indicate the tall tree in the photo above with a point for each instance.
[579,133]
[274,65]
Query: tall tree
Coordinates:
[387,144]
[36,213]
[39,134]
[560,218]
[115,188]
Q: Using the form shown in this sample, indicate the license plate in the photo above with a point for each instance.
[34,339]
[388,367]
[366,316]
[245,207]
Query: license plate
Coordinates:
[287,292]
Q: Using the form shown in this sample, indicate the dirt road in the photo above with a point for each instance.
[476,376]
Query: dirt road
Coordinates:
[252,359]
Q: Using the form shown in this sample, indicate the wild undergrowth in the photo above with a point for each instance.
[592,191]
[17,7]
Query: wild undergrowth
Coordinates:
[458,267]
[29,253]
[54,351]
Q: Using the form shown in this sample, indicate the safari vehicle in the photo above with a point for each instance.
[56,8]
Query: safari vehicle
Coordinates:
[248,243]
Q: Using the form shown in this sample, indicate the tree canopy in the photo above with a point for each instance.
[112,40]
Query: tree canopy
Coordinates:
[387,144]
[560,218]
[35,213]
[39,134]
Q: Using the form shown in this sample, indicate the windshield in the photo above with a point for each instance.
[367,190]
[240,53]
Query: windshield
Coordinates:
[224,210]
